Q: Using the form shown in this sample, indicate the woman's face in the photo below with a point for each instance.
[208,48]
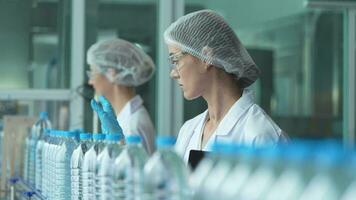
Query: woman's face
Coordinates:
[189,71]
[98,80]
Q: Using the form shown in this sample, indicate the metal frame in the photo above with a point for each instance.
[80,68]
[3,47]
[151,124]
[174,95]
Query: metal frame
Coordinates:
[169,96]
[77,62]
[36,94]
[349,100]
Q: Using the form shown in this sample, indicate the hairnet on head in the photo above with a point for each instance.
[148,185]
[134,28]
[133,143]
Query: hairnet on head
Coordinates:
[132,65]
[205,35]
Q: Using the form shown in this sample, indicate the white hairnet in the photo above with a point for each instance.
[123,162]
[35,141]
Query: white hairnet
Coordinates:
[132,65]
[205,35]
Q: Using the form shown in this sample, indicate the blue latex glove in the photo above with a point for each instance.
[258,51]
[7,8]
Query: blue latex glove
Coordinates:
[109,124]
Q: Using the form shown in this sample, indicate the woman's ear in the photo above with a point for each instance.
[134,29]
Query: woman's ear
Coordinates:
[111,72]
[208,53]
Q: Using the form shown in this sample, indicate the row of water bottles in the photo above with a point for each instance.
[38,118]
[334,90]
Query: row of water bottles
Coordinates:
[103,168]
[72,165]
[297,171]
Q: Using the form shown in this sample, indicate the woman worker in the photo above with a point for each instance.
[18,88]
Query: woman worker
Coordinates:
[209,61]
[116,68]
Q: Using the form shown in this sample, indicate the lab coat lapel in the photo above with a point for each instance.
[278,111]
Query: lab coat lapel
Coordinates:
[238,109]
[195,128]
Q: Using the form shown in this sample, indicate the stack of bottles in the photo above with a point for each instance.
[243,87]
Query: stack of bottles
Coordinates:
[297,171]
[76,165]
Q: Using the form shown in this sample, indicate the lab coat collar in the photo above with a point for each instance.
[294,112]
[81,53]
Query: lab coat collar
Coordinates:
[235,113]
[130,107]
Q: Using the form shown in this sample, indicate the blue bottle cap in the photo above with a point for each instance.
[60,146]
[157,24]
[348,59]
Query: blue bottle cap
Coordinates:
[43,115]
[223,147]
[56,132]
[133,139]
[165,141]
[85,136]
[113,137]
[98,136]
[328,152]
[46,131]
[71,133]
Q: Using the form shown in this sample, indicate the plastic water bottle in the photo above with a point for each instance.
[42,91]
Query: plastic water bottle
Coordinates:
[198,177]
[264,176]
[245,164]
[166,176]
[58,139]
[104,167]
[218,172]
[35,134]
[48,140]
[297,173]
[62,176]
[27,156]
[327,182]
[47,155]
[41,150]
[77,162]
[89,165]
[128,170]
[350,191]
[78,131]
[40,128]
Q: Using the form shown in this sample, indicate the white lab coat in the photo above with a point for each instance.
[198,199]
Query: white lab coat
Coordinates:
[244,123]
[134,119]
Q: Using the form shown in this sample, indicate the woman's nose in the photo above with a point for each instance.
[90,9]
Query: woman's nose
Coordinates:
[174,74]
[90,81]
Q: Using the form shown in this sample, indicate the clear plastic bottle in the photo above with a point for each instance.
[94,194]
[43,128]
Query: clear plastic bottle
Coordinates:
[246,161]
[350,191]
[62,175]
[128,170]
[77,162]
[327,182]
[259,182]
[50,140]
[166,175]
[104,167]
[213,173]
[89,164]
[58,139]
[26,157]
[297,173]
[34,135]
[40,129]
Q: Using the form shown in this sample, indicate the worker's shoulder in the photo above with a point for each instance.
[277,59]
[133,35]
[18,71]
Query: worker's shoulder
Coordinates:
[194,121]
[258,118]
[140,113]
[258,124]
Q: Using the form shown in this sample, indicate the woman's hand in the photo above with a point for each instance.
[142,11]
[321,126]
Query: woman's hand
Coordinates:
[109,124]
